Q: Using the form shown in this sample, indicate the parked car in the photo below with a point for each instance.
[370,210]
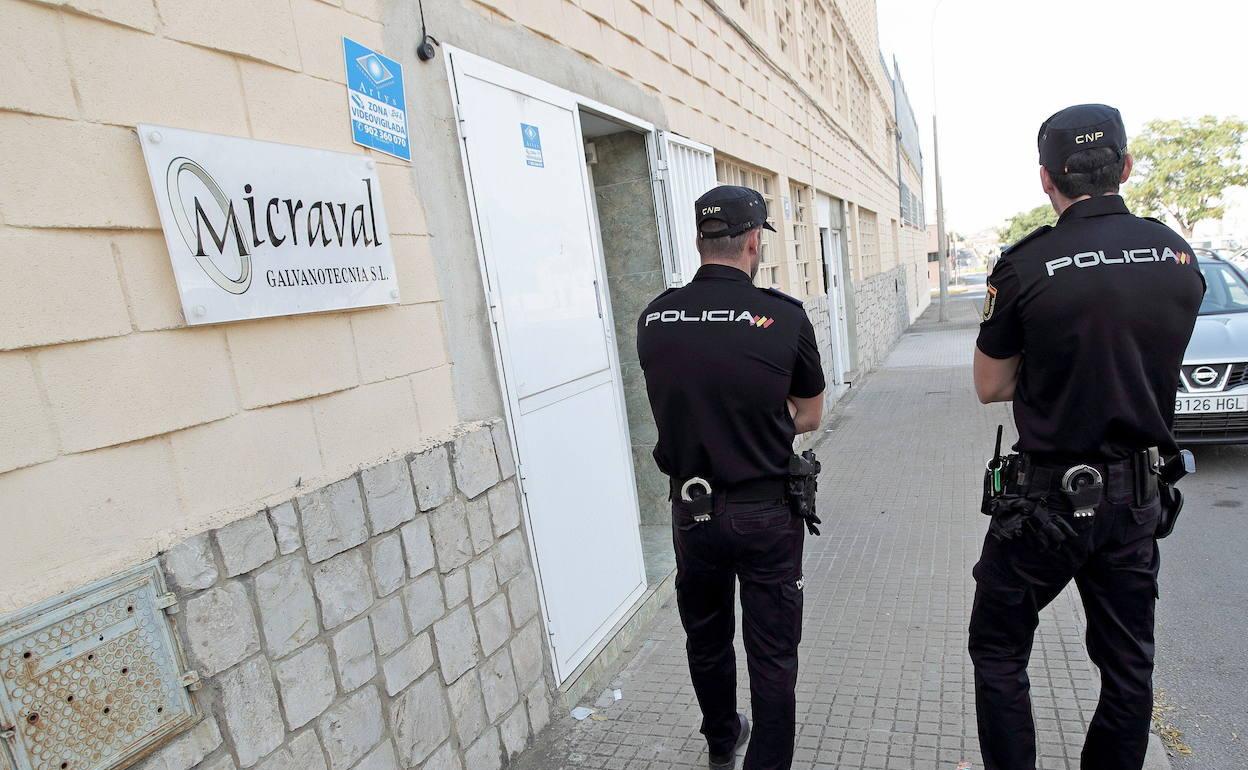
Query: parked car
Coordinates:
[1240,260]
[1212,403]
[1203,252]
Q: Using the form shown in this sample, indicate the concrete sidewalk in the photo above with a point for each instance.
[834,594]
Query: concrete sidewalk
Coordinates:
[885,682]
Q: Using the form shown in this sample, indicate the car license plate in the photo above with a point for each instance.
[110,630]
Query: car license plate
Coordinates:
[1211,404]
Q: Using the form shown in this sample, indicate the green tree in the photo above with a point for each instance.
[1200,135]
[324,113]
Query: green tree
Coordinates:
[1183,167]
[1024,222]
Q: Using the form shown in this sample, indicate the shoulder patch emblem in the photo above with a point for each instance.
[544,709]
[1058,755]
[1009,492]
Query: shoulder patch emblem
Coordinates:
[990,303]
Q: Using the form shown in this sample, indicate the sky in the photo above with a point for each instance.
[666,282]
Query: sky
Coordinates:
[1003,66]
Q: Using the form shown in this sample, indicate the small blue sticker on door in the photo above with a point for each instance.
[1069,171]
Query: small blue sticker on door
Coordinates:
[532,145]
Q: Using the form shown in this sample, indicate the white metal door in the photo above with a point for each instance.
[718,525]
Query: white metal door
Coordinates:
[831,247]
[836,257]
[523,155]
[689,172]
[830,214]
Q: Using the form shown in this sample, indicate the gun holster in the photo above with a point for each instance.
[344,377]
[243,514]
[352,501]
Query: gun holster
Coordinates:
[1171,507]
[802,487]
[1169,471]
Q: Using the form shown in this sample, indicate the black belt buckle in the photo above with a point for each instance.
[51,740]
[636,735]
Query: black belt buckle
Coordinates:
[1084,488]
[696,495]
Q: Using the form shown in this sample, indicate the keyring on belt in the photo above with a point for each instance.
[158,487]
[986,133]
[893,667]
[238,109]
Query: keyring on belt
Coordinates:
[688,485]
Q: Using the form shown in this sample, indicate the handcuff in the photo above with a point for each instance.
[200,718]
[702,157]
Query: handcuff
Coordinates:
[1084,487]
[686,496]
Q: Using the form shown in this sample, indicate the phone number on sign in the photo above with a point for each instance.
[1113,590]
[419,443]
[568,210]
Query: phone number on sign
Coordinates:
[384,136]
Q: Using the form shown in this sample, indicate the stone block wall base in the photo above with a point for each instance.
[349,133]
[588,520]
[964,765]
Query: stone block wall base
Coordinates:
[882,315]
[388,620]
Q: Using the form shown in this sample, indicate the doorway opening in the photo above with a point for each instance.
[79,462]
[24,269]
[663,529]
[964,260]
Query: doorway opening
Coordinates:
[831,218]
[618,158]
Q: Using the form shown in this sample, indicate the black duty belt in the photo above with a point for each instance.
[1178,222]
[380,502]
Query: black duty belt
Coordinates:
[755,490]
[703,500]
[1132,478]
[1022,490]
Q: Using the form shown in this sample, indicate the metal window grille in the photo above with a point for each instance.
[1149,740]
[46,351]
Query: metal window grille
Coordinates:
[736,172]
[815,15]
[690,173]
[757,10]
[806,267]
[859,108]
[868,241]
[784,23]
[836,50]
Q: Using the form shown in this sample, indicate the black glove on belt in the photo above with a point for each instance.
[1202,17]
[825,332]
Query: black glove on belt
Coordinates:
[1015,516]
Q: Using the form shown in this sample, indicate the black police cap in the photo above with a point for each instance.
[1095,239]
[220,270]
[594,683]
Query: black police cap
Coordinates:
[1078,128]
[739,208]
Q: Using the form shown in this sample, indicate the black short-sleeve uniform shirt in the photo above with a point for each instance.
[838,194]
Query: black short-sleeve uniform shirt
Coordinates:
[1101,308]
[720,356]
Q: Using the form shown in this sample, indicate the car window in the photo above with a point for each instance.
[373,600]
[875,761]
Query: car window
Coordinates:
[1227,292]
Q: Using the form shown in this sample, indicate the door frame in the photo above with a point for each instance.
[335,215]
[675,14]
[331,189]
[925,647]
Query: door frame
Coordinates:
[464,63]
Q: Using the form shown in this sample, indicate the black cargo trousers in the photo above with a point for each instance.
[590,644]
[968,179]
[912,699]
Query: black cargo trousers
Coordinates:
[1114,563]
[758,542]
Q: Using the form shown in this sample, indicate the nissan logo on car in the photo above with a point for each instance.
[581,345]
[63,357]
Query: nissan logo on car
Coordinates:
[1205,376]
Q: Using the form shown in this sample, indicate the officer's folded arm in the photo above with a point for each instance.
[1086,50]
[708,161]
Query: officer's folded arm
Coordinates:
[806,412]
[995,378]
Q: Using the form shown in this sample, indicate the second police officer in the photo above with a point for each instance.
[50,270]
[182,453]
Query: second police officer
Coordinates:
[1084,328]
[733,373]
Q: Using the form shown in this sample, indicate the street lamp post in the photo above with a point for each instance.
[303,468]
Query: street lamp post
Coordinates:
[942,244]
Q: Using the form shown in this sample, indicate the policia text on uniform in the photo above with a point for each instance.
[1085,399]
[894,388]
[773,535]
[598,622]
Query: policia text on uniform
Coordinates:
[733,374]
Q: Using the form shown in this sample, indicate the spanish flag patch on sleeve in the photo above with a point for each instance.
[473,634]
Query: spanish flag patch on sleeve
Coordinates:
[990,303]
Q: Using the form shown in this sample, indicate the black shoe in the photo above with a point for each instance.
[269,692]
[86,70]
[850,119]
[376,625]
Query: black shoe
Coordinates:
[729,761]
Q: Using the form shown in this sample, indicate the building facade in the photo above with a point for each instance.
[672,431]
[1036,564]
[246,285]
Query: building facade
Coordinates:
[399,531]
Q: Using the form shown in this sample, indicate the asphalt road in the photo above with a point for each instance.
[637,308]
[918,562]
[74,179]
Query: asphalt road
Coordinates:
[1202,617]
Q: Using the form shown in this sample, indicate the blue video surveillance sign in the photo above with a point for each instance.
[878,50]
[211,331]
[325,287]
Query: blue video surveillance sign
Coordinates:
[375,100]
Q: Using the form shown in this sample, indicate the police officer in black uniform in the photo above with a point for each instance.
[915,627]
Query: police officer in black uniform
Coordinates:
[733,373]
[1084,328]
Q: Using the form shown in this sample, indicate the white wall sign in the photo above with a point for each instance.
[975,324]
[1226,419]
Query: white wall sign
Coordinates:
[258,229]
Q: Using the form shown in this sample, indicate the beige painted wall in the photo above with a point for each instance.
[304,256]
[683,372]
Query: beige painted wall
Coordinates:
[724,79]
[123,430]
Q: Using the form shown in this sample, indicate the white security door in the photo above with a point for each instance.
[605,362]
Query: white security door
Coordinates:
[831,247]
[690,171]
[523,154]
[830,215]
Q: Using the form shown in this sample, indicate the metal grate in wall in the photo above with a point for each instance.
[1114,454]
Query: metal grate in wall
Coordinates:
[94,679]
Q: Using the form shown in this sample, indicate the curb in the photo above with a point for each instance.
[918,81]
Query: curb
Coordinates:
[1156,759]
